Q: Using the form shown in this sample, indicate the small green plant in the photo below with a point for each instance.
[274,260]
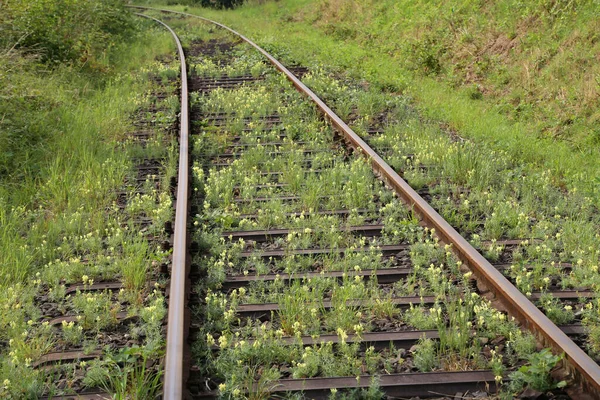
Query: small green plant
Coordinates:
[134,267]
[97,310]
[520,345]
[72,334]
[496,365]
[425,355]
[559,313]
[536,374]
[427,52]
[421,318]
[126,374]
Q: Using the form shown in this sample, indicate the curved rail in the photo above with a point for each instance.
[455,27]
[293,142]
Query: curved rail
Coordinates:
[173,379]
[585,370]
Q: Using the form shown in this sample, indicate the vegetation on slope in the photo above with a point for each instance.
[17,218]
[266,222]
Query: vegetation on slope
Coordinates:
[44,46]
[74,31]
[219,4]
[536,60]
[55,70]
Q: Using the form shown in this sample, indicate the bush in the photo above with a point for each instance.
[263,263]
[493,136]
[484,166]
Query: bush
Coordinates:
[74,38]
[73,31]
[219,3]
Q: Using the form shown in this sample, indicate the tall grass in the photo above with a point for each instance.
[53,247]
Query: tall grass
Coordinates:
[69,165]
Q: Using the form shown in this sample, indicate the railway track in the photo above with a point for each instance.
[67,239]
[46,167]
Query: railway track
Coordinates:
[247,174]
[306,256]
[304,266]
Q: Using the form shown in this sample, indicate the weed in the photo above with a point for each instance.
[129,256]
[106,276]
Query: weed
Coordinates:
[559,313]
[425,355]
[422,318]
[126,374]
[537,373]
[97,310]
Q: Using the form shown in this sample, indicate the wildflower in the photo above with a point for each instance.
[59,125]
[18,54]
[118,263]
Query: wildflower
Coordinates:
[223,342]
[210,339]
[297,326]
[342,334]
[358,328]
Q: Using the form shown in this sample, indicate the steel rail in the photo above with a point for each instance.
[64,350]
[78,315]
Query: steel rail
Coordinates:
[173,378]
[584,369]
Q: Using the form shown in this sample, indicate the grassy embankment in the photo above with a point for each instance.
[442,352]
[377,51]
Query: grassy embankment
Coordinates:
[520,76]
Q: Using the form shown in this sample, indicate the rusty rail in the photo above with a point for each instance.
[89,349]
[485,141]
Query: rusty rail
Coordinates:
[173,379]
[584,369]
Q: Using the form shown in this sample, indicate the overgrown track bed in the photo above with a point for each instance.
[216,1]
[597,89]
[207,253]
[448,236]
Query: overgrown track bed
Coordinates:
[294,299]
[312,279]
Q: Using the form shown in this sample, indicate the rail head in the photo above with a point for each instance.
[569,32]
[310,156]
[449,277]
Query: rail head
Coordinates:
[173,378]
[586,371]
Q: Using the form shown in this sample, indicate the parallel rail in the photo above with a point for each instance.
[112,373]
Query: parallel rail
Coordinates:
[173,380]
[584,369]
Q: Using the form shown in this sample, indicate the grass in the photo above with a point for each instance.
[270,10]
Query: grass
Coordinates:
[77,167]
